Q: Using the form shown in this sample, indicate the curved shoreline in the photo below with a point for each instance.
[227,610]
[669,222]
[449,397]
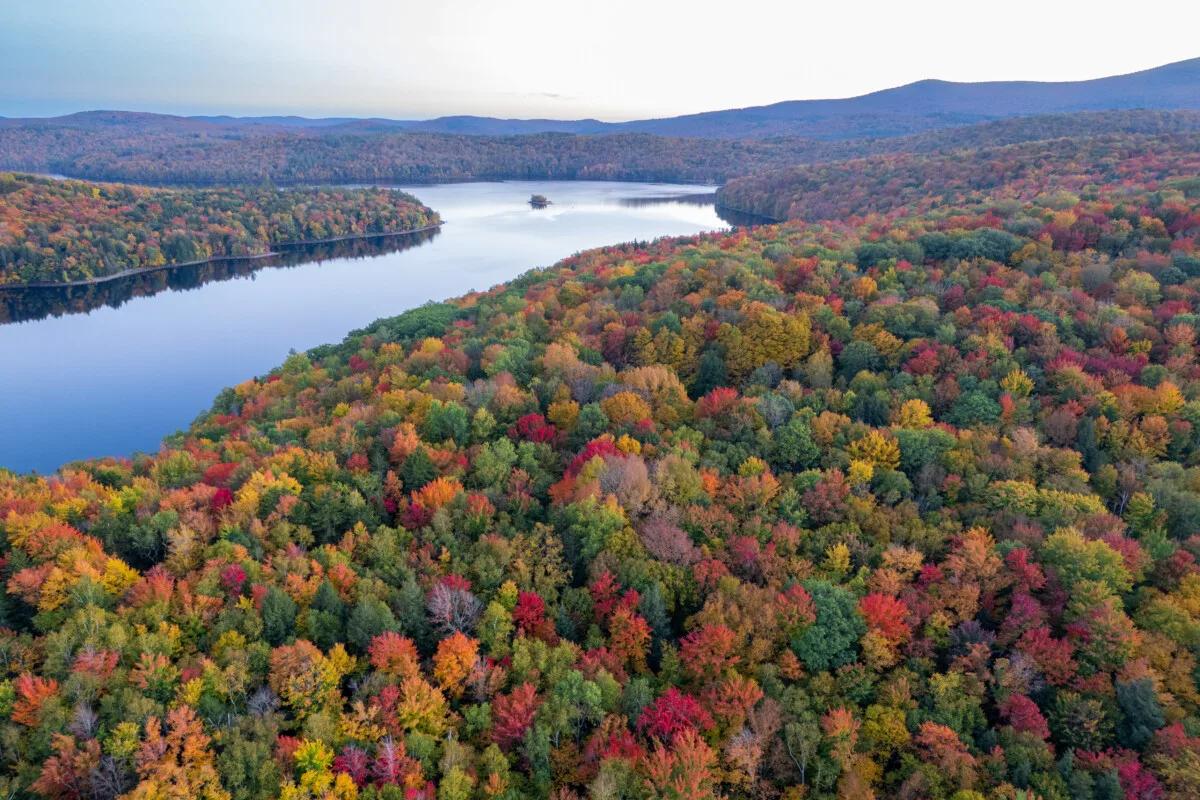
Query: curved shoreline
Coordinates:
[254,257]
[764,218]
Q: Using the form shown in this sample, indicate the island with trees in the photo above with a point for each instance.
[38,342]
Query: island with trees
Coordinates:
[67,231]
[896,504]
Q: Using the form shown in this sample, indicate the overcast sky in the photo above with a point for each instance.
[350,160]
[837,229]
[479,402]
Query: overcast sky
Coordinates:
[612,59]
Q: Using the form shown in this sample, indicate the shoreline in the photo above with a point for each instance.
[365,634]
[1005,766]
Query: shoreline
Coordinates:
[354,183]
[766,220]
[163,267]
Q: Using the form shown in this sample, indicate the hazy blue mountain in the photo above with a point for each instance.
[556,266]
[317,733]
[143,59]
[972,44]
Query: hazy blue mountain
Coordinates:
[936,104]
[913,108]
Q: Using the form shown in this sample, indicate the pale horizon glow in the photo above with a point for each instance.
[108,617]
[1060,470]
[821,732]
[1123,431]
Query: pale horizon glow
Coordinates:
[559,59]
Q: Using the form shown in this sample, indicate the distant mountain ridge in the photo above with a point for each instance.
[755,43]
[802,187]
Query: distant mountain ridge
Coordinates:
[912,108]
[931,104]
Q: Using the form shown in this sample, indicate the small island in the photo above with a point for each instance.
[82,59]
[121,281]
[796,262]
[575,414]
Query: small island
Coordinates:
[538,201]
[65,232]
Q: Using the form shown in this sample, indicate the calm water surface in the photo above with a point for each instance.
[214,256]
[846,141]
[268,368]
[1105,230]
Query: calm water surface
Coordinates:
[113,381]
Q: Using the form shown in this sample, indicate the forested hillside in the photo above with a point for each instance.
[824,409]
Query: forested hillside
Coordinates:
[890,507]
[57,231]
[156,149]
[916,181]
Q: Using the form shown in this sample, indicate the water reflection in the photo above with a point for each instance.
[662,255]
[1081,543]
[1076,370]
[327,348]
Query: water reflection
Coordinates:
[23,305]
[742,219]
[736,219]
[695,199]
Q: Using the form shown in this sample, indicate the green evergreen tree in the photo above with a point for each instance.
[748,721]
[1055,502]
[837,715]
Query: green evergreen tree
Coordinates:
[832,640]
[279,617]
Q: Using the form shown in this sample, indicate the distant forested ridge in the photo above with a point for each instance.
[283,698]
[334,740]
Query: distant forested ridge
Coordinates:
[157,149]
[915,181]
[54,231]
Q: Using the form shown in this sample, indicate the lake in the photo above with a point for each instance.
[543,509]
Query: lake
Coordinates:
[117,378]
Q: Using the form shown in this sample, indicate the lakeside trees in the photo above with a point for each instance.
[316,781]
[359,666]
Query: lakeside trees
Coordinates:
[57,231]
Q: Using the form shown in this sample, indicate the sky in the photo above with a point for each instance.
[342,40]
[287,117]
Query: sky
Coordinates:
[565,59]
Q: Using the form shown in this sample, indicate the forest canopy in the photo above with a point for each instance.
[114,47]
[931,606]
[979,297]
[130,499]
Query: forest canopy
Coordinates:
[1068,167]
[898,505]
[56,231]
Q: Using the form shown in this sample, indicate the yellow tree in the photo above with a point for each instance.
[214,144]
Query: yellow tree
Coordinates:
[876,449]
[765,335]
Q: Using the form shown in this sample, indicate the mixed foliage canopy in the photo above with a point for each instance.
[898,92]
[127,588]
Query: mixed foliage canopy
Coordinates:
[64,230]
[897,506]
[913,181]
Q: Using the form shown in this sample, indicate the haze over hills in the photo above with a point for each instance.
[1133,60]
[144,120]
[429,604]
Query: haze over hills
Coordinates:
[912,108]
[714,147]
[935,104]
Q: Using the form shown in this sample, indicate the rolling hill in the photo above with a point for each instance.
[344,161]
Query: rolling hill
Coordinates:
[933,104]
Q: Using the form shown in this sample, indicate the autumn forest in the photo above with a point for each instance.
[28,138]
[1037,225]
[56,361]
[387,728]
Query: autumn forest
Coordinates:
[54,231]
[893,497]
